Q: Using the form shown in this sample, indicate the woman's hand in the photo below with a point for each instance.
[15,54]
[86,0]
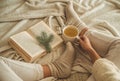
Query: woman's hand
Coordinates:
[85,43]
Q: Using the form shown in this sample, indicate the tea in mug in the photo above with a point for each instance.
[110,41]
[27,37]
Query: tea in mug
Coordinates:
[70,32]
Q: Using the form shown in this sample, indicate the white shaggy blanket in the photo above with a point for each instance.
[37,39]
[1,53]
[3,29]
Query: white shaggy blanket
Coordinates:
[19,15]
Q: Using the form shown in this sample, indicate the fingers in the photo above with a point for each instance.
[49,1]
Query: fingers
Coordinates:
[83,31]
[81,40]
[82,37]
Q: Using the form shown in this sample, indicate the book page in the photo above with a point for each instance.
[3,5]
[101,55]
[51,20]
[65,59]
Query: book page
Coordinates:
[43,27]
[27,43]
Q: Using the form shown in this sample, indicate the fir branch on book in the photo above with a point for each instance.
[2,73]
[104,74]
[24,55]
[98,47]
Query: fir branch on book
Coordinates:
[45,40]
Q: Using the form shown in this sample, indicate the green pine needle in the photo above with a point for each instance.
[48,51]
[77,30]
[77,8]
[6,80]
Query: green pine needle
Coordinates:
[45,40]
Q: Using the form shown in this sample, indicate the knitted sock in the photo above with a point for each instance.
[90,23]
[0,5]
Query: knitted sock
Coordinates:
[61,67]
[73,18]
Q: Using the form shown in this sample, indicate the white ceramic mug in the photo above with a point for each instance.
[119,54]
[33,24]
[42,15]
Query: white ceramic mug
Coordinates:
[70,32]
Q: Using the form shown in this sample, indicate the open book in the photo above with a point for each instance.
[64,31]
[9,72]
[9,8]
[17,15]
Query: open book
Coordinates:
[26,44]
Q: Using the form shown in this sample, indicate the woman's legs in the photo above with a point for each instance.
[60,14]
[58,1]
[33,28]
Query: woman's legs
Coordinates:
[60,68]
[107,46]
[114,53]
[100,42]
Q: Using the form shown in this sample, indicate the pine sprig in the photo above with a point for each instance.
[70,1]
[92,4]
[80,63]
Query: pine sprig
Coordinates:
[45,40]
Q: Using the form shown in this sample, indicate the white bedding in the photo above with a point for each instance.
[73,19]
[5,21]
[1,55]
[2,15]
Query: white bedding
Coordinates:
[19,15]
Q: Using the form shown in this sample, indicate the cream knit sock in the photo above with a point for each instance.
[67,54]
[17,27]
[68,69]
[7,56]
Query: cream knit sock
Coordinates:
[61,67]
[73,18]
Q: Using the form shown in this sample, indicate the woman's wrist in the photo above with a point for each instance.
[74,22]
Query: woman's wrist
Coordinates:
[89,49]
[93,54]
